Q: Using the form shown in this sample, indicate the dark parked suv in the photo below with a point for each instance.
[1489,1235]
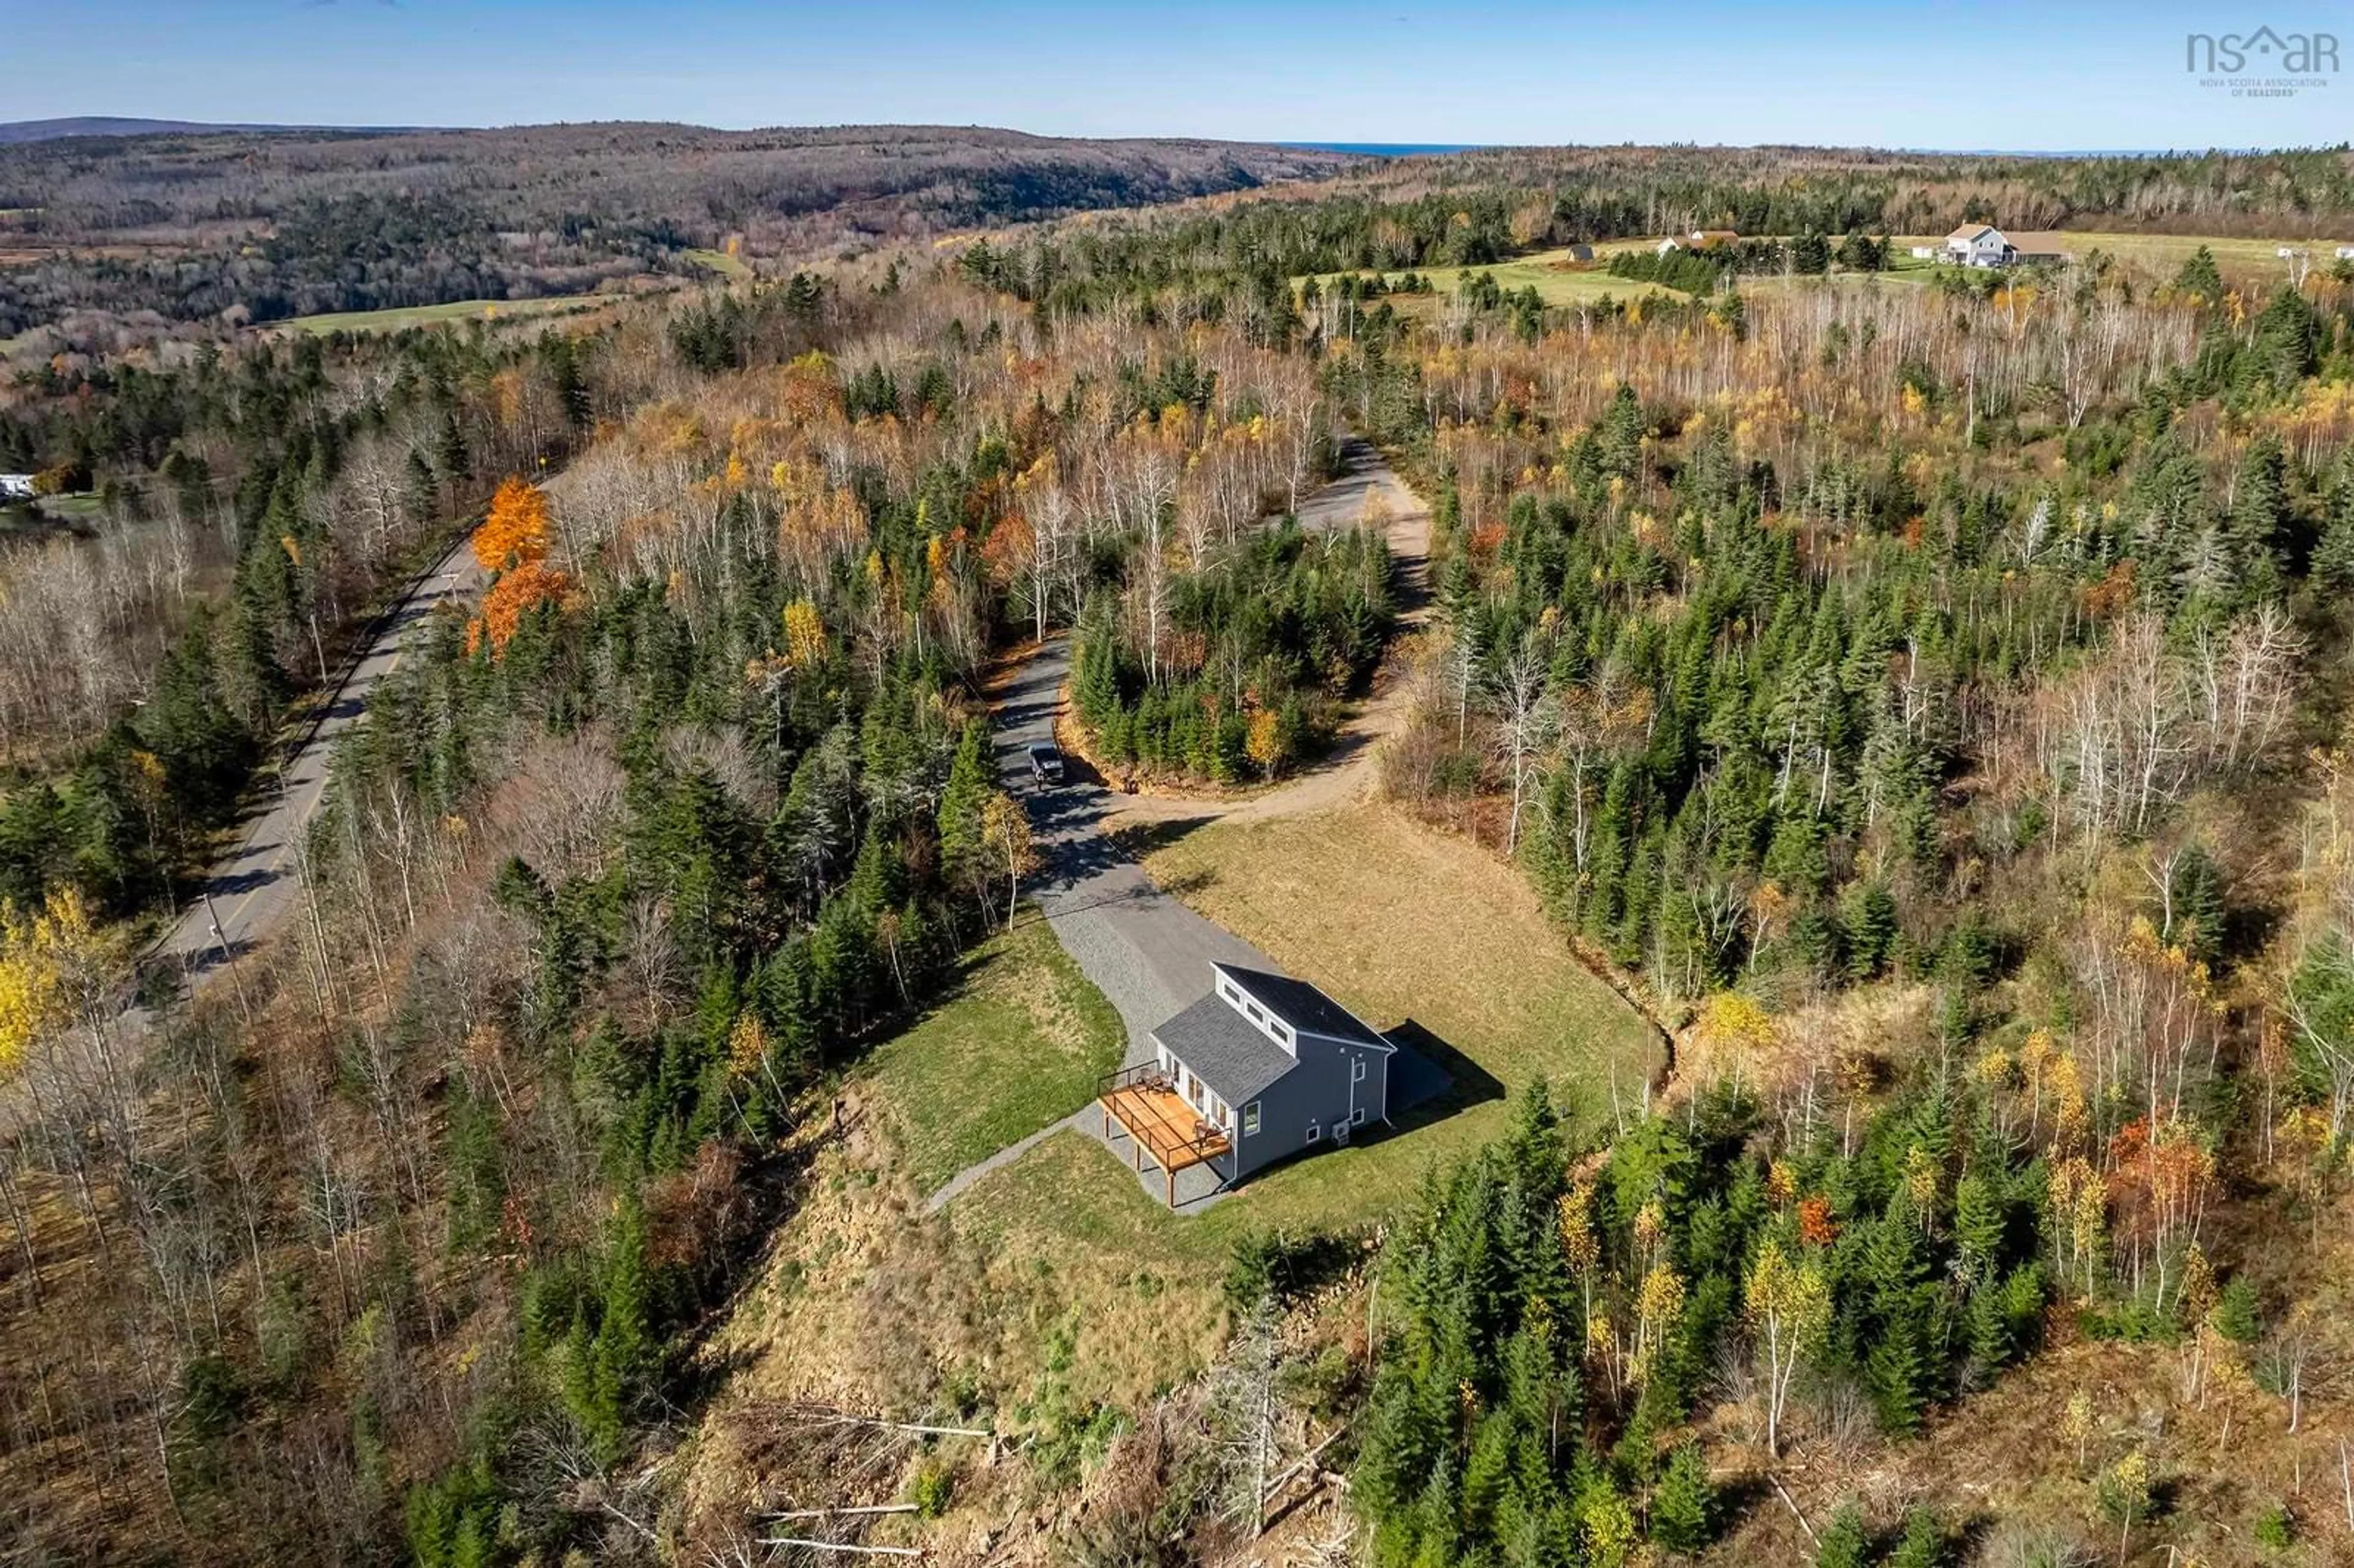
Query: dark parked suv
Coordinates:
[1046,764]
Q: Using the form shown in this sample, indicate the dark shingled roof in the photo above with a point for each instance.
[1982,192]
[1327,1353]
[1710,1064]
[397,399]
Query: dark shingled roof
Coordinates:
[1304,1007]
[1225,1050]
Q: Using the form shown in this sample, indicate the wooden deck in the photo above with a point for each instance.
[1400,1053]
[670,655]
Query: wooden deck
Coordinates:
[1161,1124]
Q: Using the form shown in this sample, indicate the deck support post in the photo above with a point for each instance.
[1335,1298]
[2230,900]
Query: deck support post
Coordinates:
[1168,1180]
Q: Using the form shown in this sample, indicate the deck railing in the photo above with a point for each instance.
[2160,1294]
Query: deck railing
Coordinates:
[1208,1140]
[1142,1074]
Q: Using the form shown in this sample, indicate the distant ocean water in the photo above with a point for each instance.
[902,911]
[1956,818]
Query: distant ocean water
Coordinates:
[1384,148]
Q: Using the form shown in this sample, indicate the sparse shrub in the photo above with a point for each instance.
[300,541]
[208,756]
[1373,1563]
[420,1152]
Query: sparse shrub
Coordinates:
[933,1489]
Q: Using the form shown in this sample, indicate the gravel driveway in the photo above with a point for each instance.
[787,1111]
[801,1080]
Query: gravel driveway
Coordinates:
[1144,950]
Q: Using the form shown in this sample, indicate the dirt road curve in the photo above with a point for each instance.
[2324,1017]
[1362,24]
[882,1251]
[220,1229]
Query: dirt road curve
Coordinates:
[1367,490]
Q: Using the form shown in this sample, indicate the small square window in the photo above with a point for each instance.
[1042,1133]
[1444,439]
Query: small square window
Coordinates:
[1356,1069]
[1359,1119]
[1250,1119]
[1312,1133]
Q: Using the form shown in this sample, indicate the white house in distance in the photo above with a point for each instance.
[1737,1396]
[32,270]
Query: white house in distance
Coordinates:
[2346,253]
[1984,245]
[1698,239]
[16,487]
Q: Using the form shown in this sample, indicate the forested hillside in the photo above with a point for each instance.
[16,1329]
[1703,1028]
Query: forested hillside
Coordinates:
[259,226]
[1924,701]
[619,871]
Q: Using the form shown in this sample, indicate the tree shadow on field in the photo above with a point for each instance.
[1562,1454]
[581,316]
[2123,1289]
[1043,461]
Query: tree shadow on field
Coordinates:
[1137,840]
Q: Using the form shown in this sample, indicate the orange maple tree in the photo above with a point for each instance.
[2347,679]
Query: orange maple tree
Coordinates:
[513,596]
[515,532]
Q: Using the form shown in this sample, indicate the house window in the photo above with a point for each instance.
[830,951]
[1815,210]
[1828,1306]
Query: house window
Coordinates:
[1250,1119]
[1359,1119]
[1312,1133]
[1255,1013]
[1356,1069]
[1282,1033]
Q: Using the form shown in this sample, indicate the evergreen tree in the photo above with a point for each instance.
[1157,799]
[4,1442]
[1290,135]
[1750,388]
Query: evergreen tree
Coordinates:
[1923,1544]
[2258,518]
[2195,905]
[2199,278]
[968,785]
[1844,1543]
[1684,1502]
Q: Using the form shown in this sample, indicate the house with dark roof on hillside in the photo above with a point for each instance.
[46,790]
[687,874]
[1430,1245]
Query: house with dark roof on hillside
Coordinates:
[1262,1068]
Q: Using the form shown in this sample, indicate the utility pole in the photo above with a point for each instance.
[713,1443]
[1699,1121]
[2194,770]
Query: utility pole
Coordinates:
[212,919]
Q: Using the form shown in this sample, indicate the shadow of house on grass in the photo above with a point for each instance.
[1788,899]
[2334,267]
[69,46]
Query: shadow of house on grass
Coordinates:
[1430,1081]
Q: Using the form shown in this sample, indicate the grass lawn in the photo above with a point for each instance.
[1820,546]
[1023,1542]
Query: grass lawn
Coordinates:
[426,316]
[719,261]
[1401,923]
[1560,281]
[1020,1045]
[871,1302]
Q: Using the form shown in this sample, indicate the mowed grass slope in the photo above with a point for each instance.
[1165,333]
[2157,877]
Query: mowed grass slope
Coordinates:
[870,1301]
[1019,1046]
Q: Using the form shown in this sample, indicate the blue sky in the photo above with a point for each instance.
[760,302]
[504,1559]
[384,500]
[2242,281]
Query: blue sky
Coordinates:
[2051,75]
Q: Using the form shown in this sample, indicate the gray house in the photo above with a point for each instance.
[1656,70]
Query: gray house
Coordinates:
[1984,245]
[1262,1068]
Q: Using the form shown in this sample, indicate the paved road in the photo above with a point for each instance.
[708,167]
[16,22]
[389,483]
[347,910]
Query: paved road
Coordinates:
[251,891]
[1145,950]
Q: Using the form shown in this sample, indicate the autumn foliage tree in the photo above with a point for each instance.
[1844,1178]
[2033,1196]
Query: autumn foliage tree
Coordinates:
[515,532]
[515,595]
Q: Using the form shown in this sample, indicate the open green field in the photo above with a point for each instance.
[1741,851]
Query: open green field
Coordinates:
[1406,926]
[427,315]
[719,261]
[1019,1046]
[1558,282]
